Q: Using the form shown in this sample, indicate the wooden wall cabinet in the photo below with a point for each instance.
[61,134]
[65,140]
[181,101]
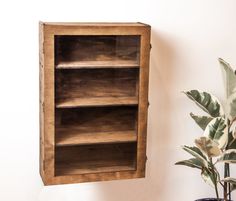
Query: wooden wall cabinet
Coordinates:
[93,101]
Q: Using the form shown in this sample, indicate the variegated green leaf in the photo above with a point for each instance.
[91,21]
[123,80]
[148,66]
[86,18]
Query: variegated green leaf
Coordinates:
[231,107]
[232,136]
[196,152]
[216,130]
[228,156]
[207,102]
[232,129]
[208,146]
[208,177]
[202,121]
[229,77]
[230,87]
[232,182]
[231,142]
[193,162]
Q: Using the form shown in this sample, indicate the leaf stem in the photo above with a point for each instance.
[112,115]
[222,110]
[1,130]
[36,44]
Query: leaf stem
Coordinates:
[225,183]
[215,179]
[227,191]
[232,142]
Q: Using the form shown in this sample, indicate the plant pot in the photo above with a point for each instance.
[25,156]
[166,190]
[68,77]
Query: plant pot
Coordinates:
[210,199]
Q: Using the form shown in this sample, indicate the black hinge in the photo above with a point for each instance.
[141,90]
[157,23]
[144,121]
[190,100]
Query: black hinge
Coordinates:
[150,46]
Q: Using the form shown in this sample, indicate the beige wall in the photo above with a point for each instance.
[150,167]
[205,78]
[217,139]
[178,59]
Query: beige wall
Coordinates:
[187,38]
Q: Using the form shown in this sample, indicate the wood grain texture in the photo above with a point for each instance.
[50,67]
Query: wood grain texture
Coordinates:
[96,83]
[97,64]
[95,158]
[97,101]
[143,101]
[47,102]
[97,50]
[84,163]
[99,166]
[41,95]
[70,137]
[96,125]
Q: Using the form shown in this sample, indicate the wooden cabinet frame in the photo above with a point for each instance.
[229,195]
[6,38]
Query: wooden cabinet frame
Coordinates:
[48,31]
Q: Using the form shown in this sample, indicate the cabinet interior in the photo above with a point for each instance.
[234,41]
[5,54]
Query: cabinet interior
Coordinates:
[84,87]
[71,160]
[97,51]
[96,125]
[96,103]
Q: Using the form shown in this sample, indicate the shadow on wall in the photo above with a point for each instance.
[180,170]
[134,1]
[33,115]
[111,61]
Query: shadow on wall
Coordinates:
[153,187]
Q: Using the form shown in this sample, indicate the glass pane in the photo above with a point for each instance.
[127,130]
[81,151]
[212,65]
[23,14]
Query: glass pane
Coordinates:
[97,50]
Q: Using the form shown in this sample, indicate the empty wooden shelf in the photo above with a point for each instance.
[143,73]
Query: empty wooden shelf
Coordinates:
[74,137]
[96,87]
[97,51]
[97,64]
[96,125]
[96,101]
[93,101]
[95,159]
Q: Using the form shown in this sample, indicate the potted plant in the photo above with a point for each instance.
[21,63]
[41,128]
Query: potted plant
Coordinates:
[217,145]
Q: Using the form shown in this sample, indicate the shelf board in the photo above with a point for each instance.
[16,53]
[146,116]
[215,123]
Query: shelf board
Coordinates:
[95,158]
[97,64]
[92,167]
[70,137]
[96,101]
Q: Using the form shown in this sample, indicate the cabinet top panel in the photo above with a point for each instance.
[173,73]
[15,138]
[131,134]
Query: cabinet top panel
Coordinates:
[99,24]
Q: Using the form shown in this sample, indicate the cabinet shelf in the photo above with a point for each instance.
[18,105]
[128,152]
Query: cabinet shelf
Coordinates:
[96,125]
[99,87]
[97,64]
[96,101]
[97,51]
[71,136]
[95,158]
[93,167]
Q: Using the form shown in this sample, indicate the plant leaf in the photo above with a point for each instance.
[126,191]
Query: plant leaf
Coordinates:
[229,77]
[231,107]
[193,162]
[208,177]
[232,182]
[231,142]
[208,146]
[206,101]
[232,136]
[228,156]
[197,153]
[232,129]
[230,87]
[202,121]
[216,130]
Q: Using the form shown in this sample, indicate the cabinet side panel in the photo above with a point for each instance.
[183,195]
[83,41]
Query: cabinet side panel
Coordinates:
[143,101]
[48,104]
[41,99]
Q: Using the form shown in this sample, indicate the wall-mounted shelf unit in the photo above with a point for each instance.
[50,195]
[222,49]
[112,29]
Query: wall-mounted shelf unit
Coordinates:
[93,101]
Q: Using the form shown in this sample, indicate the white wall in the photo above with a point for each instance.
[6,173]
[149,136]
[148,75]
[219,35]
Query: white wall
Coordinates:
[187,38]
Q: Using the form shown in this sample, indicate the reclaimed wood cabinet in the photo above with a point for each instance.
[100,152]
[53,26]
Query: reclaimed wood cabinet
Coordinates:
[93,101]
